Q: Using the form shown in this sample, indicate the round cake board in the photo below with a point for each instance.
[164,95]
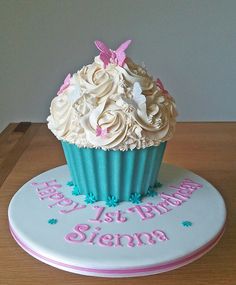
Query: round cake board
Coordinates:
[171,229]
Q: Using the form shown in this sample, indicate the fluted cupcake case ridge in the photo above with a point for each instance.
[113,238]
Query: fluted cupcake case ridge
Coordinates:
[100,174]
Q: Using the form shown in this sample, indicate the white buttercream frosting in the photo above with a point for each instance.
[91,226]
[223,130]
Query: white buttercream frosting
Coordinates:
[113,107]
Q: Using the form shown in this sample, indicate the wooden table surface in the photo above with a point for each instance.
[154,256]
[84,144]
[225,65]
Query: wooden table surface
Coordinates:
[208,149]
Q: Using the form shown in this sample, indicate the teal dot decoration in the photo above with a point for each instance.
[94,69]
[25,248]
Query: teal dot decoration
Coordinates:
[90,198]
[157,184]
[75,191]
[52,221]
[112,201]
[70,183]
[135,198]
[187,224]
[151,192]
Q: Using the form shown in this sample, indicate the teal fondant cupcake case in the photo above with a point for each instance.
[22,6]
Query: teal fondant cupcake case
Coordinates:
[113,175]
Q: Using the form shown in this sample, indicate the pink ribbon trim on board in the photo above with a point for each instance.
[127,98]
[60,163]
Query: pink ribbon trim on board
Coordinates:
[139,271]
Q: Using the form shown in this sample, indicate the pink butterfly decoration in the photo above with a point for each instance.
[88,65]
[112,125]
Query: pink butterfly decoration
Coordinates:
[109,56]
[65,84]
[161,86]
[101,132]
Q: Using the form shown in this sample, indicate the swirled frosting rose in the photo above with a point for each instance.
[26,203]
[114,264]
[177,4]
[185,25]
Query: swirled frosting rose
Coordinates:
[112,104]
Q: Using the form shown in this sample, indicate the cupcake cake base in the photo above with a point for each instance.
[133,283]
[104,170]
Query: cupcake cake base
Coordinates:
[113,175]
[173,226]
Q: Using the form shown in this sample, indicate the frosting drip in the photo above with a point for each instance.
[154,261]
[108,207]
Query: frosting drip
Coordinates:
[113,107]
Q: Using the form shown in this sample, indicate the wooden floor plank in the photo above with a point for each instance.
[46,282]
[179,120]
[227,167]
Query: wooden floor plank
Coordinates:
[9,138]
[5,133]
[13,143]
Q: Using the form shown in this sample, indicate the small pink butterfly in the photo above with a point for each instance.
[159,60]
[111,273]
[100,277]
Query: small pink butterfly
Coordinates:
[65,84]
[161,86]
[101,132]
[107,55]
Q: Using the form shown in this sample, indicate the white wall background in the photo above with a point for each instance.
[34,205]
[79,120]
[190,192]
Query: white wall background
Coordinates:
[189,44]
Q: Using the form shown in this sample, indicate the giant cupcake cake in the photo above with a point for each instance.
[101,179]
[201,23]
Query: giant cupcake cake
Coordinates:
[113,120]
[115,209]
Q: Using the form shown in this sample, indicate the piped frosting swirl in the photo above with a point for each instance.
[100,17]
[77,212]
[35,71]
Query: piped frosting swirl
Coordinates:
[113,107]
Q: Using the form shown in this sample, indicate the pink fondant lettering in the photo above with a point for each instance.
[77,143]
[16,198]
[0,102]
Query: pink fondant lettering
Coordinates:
[171,200]
[47,185]
[48,190]
[145,212]
[193,183]
[56,196]
[45,194]
[185,192]
[120,218]
[76,207]
[106,240]
[93,235]
[78,235]
[160,208]
[58,202]
[164,204]
[119,237]
[161,236]
[116,240]
[180,196]
[65,202]
[188,185]
[98,214]
[148,236]
[45,189]
[109,217]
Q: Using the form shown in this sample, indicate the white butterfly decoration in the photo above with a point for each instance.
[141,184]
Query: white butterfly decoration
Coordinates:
[140,100]
[74,90]
[75,94]
[71,86]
